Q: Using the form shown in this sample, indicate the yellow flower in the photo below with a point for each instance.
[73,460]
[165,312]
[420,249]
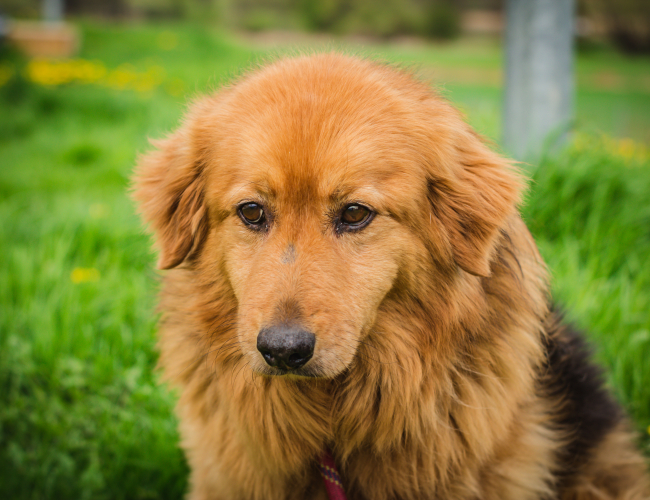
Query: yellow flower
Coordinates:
[124,77]
[44,72]
[83,275]
[626,148]
[88,71]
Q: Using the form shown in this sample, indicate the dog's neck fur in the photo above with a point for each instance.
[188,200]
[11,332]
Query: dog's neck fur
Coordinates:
[447,407]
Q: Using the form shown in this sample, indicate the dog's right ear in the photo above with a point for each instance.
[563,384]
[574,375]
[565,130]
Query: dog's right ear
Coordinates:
[473,197]
[168,185]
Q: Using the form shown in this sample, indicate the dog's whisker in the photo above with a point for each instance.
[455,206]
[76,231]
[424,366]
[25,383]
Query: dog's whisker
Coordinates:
[228,354]
[232,343]
[222,343]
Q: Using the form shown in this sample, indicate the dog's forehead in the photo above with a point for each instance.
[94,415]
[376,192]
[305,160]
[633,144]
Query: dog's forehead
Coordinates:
[318,169]
[308,134]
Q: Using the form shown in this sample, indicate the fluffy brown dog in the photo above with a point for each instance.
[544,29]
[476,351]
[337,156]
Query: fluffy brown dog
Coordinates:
[348,271]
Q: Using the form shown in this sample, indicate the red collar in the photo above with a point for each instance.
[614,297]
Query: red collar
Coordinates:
[331,477]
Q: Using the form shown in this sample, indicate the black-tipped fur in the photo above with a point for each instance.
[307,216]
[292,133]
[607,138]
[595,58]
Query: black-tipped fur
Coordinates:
[587,411]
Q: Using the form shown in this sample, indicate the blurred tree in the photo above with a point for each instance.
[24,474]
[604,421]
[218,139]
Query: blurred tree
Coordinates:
[114,8]
[323,15]
[385,19]
[53,10]
[443,20]
[258,15]
[198,10]
[26,9]
[627,22]
[538,104]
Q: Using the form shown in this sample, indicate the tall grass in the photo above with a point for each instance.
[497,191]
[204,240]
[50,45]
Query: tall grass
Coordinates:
[590,212]
[81,413]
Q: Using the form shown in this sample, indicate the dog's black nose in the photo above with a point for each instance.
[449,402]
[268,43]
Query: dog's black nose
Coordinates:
[286,347]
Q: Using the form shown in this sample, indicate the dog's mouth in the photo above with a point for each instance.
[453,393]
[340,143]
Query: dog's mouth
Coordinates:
[309,371]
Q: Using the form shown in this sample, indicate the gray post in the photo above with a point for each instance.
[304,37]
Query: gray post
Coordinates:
[53,10]
[538,104]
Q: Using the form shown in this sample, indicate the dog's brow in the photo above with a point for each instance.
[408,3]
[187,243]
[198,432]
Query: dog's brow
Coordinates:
[262,188]
[341,192]
[344,193]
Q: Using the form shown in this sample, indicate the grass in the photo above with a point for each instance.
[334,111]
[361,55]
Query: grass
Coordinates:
[81,413]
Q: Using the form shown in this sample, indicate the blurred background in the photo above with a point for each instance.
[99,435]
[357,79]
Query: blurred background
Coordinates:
[82,88]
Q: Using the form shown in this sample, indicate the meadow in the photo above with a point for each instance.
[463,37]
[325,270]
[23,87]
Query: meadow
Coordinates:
[81,412]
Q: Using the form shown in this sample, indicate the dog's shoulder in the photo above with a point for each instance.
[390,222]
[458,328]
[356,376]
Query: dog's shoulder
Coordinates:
[587,407]
[584,410]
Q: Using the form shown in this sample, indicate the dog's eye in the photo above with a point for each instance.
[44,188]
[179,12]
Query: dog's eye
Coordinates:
[252,213]
[355,216]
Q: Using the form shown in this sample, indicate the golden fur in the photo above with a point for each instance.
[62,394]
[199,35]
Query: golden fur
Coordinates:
[431,323]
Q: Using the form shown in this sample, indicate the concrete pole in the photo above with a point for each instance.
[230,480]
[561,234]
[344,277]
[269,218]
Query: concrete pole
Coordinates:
[538,104]
[53,11]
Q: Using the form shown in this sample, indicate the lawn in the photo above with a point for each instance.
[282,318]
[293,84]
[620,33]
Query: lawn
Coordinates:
[81,413]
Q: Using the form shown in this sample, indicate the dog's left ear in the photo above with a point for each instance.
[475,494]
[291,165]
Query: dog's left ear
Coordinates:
[168,185]
[473,199]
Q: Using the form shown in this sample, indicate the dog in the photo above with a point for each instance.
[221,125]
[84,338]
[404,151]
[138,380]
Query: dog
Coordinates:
[349,277]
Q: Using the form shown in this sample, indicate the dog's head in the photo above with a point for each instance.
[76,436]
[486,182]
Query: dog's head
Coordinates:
[320,191]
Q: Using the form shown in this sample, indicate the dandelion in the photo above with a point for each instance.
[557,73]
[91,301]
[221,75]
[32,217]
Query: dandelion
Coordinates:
[81,71]
[84,275]
[121,77]
[45,72]
[626,148]
[89,71]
